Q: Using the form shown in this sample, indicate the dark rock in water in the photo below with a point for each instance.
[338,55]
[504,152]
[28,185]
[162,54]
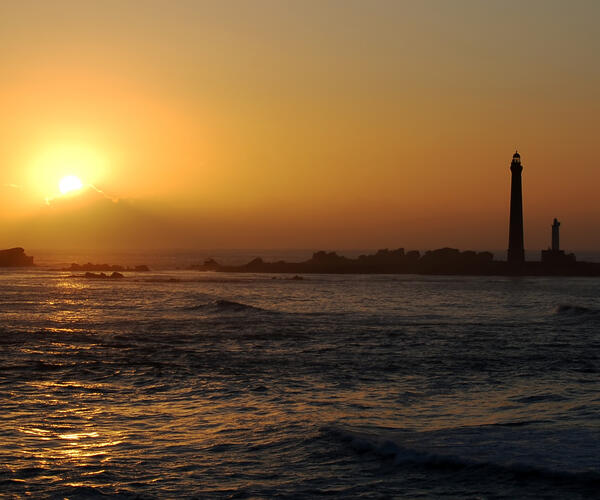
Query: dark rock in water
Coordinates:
[15,257]
[95,276]
[296,277]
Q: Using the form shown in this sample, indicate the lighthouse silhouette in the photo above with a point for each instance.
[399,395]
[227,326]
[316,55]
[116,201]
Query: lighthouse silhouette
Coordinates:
[516,249]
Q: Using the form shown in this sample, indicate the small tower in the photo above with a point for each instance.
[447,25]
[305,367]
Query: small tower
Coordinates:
[555,236]
[516,249]
[554,256]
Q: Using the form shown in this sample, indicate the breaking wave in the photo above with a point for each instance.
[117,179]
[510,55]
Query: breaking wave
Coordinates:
[414,450]
[231,305]
[223,305]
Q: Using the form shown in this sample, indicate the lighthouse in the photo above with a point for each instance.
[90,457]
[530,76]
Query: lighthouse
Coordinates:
[555,236]
[516,249]
[554,256]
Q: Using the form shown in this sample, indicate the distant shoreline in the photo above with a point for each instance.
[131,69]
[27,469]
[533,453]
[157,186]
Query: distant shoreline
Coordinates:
[444,261]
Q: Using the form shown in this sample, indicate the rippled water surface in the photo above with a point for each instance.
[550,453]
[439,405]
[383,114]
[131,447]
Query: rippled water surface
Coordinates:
[182,384]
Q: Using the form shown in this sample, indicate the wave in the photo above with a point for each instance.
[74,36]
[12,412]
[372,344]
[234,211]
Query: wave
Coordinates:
[226,305]
[518,424]
[572,310]
[486,453]
[230,305]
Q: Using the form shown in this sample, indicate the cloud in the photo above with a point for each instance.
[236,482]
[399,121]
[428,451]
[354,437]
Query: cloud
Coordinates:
[114,199]
[88,193]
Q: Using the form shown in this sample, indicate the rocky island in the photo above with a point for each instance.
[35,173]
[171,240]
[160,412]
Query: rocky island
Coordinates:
[101,276]
[15,257]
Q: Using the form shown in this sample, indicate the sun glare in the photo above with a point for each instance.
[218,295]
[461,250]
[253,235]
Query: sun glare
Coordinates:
[65,170]
[70,183]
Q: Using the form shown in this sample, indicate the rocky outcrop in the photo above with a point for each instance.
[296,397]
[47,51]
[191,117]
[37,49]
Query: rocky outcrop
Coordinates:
[94,276]
[15,257]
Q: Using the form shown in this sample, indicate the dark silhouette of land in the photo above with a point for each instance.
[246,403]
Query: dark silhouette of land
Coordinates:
[444,261]
[15,257]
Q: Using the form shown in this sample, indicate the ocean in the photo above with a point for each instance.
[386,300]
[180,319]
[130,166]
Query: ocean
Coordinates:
[185,384]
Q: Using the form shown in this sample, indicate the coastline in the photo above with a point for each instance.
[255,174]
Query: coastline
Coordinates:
[444,261]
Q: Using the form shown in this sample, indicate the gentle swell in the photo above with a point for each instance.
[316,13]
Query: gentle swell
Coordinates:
[230,305]
[391,448]
[571,310]
[222,305]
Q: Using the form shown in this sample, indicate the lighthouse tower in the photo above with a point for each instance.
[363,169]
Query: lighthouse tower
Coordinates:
[555,236]
[516,249]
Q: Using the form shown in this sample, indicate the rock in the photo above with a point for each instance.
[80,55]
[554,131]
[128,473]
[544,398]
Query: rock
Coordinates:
[102,276]
[15,257]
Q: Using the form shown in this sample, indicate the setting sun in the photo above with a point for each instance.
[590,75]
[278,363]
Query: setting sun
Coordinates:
[70,183]
[58,168]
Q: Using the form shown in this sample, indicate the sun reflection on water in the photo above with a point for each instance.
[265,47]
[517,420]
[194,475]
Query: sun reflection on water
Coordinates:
[71,431]
[73,445]
[76,436]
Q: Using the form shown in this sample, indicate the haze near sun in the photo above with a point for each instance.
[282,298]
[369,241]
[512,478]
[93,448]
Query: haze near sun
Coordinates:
[69,184]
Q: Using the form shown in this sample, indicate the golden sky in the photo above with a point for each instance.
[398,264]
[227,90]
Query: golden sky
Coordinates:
[306,124]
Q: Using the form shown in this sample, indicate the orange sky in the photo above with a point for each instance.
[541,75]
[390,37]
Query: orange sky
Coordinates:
[268,124]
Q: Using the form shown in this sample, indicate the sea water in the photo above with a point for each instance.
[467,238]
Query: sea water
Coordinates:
[187,384]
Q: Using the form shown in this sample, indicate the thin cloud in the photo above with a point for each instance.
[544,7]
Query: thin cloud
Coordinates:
[53,199]
[114,199]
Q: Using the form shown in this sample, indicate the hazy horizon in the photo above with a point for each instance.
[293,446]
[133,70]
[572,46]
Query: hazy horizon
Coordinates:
[159,259]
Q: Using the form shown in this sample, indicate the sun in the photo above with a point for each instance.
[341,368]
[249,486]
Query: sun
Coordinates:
[70,183]
[65,170]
